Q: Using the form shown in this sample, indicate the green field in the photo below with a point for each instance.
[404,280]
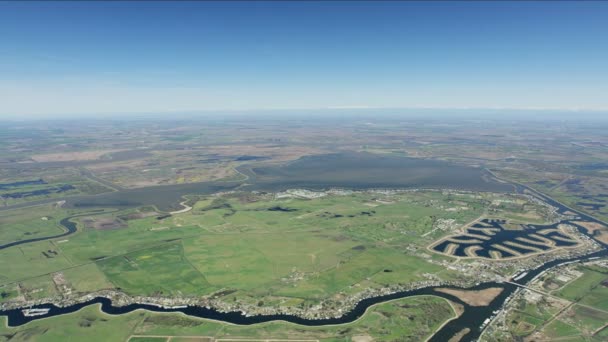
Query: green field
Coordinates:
[252,250]
[411,319]
[25,224]
[154,271]
[255,247]
[584,318]
[588,289]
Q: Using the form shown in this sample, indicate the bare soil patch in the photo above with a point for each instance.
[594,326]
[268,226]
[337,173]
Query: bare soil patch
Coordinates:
[599,231]
[474,298]
[139,215]
[71,156]
[591,226]
[458,308]
[362,338]
[458,336]
[104,223]
[276,153]
[472,251]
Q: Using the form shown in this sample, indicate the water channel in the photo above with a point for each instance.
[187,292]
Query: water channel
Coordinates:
[471,318]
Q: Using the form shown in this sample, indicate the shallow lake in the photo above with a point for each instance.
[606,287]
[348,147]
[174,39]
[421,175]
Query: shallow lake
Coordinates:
[350,170]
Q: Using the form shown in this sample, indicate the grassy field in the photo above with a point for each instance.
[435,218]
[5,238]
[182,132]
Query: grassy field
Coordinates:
[584,318]
[154,271]
[559,329]
[411,319]
[587,289]
[253,244]
[30,260]
[26,223]
[79,280]
[528,316]
[255,247]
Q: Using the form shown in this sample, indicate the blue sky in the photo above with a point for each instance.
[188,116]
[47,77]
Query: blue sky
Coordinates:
[104,57]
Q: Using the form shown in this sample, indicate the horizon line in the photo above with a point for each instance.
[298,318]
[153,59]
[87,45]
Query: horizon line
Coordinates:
[139,113]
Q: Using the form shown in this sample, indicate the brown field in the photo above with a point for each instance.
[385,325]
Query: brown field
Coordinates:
[277,153]
[601,236]
[599,231]
[458,336]
[458,308]
[474,298]
[591,226]
[70,156]
[137,216]
[103,223]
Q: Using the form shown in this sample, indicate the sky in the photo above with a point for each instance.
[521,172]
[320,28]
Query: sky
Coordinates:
[94,58]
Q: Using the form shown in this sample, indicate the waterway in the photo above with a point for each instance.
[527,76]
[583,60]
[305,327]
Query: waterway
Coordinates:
[67,223]
[349,170]
[471,318]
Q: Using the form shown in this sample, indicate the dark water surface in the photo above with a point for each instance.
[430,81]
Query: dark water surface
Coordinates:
[499,235]
[349,170]
[360,170]
[357,171]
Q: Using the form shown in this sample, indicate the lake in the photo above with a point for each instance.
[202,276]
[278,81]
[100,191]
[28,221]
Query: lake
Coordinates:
[350,170]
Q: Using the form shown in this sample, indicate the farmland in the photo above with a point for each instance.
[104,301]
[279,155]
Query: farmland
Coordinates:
[574,309]
[304,219]
[287,247]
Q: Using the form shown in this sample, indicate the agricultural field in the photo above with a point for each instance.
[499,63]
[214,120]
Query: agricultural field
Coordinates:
[592,281]
[262,245]
[287,247]
[412,319]
[574,309]
[25,224]
[253,247]
[34,190]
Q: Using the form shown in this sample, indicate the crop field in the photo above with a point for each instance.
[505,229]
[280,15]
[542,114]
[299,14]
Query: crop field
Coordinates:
[411,319]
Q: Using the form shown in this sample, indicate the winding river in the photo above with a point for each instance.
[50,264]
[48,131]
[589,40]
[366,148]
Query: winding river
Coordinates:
[471,318]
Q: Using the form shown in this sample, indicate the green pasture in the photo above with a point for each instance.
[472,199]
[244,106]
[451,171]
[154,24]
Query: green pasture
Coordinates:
[253,244]
[30,223]
[160,271]
[249,260]
[560,329]
[29,260]
[587,319]
[579,288]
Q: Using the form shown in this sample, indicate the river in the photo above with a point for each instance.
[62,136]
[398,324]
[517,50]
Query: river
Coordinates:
[471,318]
